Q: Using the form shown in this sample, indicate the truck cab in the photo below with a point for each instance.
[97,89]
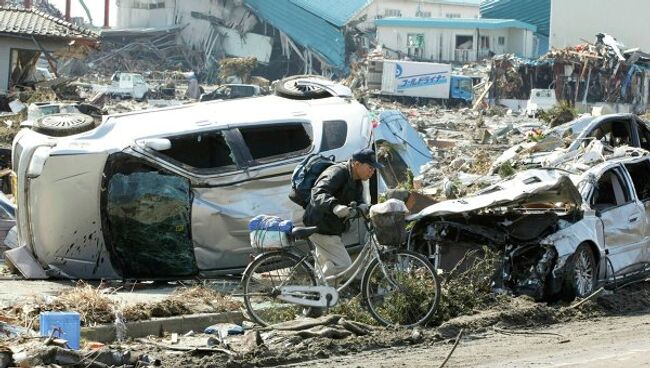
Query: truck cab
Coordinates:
[461,89]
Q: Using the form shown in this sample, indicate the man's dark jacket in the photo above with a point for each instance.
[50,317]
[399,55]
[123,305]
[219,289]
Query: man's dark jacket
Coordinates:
[334,186]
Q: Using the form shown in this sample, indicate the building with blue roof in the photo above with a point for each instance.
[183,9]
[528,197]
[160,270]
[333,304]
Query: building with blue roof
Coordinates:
[457,40]
[318,27]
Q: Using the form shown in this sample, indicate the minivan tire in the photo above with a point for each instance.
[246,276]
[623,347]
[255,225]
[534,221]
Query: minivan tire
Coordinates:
[287,88]
[64,124]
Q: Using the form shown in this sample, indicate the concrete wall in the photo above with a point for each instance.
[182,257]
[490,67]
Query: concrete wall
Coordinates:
[521,43]
[9,43]
[440,44]
[410,7]
[137,14]
[573,20]
[198,32]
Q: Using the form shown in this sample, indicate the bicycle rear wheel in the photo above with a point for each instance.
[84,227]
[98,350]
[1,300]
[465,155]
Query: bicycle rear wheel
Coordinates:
[404,292]
[262,280]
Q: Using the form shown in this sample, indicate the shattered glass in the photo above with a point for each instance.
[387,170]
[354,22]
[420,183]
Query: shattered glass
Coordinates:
[149,224]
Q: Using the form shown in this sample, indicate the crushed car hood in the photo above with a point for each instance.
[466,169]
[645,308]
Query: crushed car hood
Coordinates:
[548,186]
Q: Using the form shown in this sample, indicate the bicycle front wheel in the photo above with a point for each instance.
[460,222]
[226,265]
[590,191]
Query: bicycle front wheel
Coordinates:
[262,281]
[401,288]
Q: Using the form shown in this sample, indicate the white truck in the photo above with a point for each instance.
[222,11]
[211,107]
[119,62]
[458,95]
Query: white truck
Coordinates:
[418,79]
[125,85]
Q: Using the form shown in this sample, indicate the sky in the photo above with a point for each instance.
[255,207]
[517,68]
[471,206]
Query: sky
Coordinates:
[96,8]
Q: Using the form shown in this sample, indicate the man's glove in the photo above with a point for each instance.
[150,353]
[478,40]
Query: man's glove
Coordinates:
[342,211]
[363,208]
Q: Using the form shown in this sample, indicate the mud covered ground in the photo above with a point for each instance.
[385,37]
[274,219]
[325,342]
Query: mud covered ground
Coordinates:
[507,331]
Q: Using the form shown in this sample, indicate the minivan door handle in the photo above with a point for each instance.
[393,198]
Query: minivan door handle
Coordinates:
[633,219]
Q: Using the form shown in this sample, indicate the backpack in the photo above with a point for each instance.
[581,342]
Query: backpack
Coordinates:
[304,176]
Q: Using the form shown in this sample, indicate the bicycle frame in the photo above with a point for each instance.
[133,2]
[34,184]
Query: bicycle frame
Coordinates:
[369,252]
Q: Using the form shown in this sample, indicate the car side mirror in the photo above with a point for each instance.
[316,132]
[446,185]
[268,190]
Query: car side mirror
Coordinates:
[156,144]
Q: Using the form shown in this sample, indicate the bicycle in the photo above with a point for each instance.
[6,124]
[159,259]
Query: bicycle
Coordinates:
[398,286]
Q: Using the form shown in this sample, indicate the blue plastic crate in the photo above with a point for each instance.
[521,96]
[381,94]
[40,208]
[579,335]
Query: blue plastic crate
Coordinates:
[67,325]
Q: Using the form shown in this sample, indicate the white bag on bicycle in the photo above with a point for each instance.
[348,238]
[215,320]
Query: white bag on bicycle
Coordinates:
[269,232]
[389,221]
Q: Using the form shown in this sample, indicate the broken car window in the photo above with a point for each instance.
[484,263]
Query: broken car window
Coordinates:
[204,151]
[148,217]
[395,170]
[611,191]
[613,133]
[334,134]
[640,174]
[644,136]
[276,142]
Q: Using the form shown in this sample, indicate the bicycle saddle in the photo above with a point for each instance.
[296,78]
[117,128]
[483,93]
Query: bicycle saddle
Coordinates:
[303,232]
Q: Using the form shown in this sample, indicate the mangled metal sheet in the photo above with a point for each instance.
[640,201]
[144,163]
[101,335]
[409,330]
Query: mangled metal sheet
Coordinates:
[251,44]
[538,185]
[400,148]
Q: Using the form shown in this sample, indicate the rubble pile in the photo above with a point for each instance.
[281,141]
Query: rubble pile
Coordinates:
[237,67]
[186,301]
[464,144]
[96,306]
[141,54]
[602,71]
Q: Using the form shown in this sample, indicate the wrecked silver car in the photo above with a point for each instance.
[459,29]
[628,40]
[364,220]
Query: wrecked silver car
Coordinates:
[561,234]
[168,193]
[567,141]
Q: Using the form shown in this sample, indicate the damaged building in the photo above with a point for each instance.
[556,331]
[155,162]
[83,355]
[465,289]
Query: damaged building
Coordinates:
[27,35]
[286,37]
[586,75]
[454,40]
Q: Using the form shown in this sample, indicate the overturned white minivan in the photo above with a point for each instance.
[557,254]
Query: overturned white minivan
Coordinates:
[168,193]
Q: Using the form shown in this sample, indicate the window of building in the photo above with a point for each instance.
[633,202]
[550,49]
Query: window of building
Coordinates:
[148,4]
[452,15]
[276,142]
[501,41]
[22,66]
[485,42]
[423,14]
[415,44]
[203,151]
[392,13]
[335,133]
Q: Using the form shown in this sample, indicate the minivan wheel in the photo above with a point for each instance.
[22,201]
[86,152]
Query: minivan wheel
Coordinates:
[288,87]
[581,274]
[63,124]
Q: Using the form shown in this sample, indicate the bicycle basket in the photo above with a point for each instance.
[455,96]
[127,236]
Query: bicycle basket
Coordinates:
[389,221]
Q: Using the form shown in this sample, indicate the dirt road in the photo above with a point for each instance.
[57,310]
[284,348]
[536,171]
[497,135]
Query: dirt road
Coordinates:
[620,341]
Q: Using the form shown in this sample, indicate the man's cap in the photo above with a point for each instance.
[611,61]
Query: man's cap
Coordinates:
[367,156]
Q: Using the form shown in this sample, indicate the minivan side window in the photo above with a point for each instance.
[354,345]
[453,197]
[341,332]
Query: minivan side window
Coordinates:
[611,191]
[640,174]
[276,142]
[202,151]
[334,134]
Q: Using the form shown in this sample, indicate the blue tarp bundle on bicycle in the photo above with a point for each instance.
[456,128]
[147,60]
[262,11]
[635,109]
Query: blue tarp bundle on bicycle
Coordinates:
[269,232]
